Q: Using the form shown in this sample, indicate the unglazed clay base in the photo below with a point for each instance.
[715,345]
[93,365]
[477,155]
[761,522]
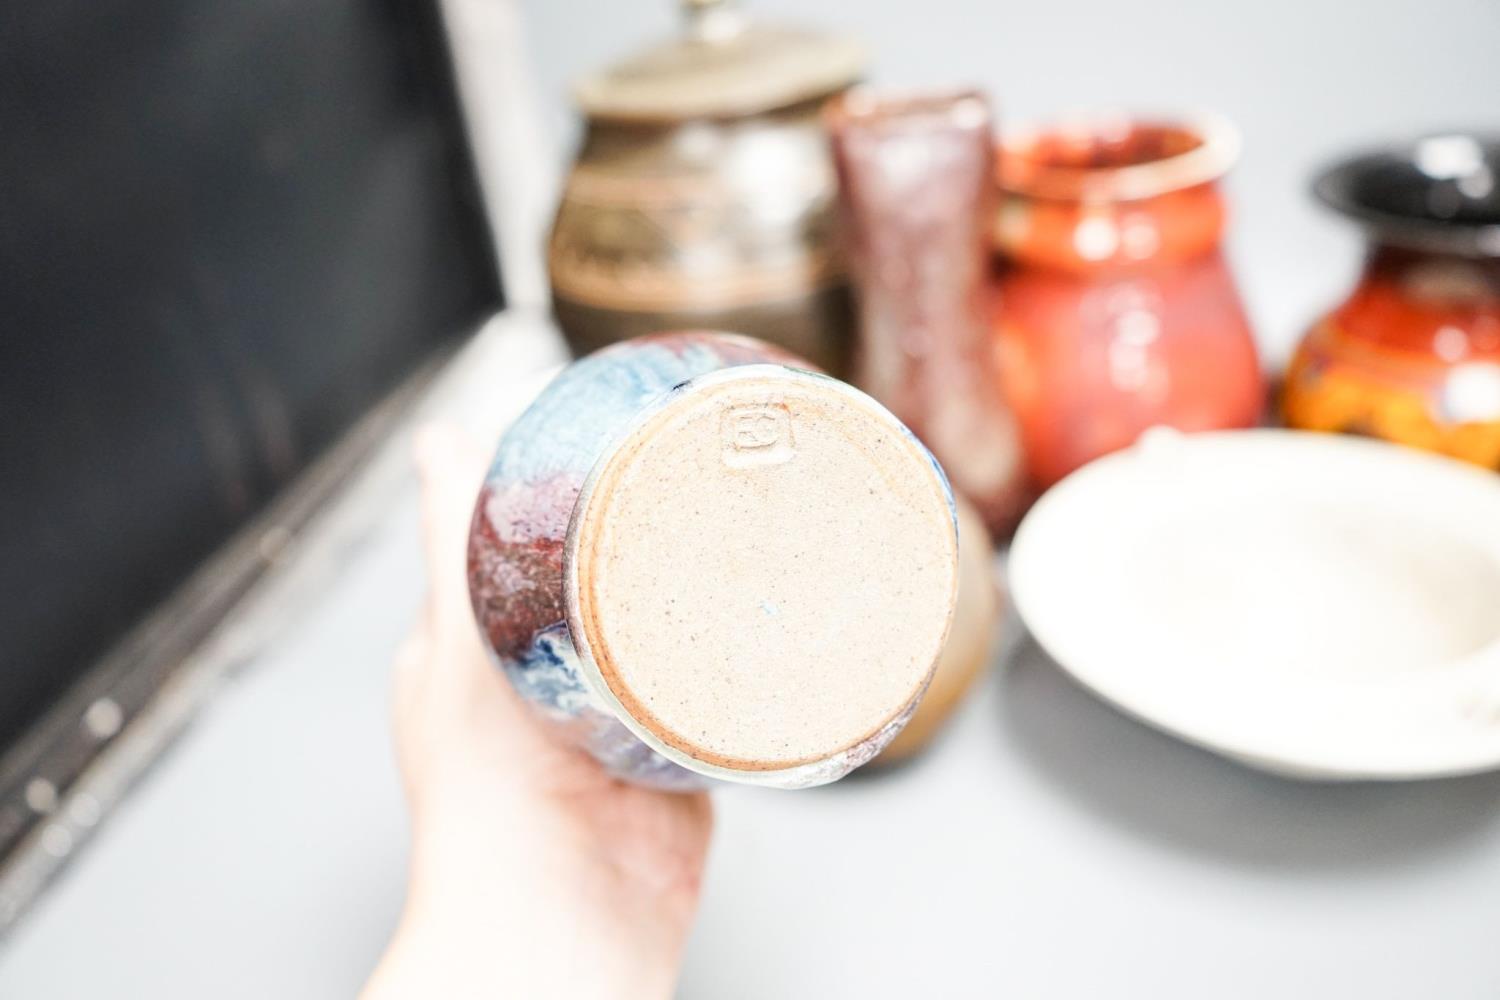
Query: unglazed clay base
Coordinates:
[763,572]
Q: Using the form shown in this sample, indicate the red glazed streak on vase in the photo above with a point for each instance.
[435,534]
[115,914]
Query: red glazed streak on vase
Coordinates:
[515,579]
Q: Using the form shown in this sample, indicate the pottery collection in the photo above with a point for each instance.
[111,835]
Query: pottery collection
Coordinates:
[701,558]
[916,176]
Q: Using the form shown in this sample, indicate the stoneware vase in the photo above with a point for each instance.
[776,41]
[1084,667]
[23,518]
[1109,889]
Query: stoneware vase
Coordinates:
[1413,354]
[973,641]
[1117,310]
[699,559]
[917,185]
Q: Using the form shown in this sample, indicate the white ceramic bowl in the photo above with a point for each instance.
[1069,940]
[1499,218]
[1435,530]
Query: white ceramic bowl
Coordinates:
[1326,607]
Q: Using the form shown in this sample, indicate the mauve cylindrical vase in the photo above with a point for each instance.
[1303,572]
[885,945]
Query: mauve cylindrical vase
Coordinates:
[916,179]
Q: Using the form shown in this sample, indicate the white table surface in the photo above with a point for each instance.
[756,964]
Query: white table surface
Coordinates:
[1046,847]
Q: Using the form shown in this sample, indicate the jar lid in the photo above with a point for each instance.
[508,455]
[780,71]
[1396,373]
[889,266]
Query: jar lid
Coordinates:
[722,66]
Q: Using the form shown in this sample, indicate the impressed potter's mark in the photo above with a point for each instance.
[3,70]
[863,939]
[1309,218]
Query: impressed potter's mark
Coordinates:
[755,434]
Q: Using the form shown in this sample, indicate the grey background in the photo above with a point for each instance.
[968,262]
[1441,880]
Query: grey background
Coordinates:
[1047,846]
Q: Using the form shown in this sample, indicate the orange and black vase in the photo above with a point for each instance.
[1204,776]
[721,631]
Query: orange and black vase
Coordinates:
[1413,355]
[1117,311]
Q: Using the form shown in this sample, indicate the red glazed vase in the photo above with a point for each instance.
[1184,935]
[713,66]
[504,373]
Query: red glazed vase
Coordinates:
[1413,354]
[1116,309]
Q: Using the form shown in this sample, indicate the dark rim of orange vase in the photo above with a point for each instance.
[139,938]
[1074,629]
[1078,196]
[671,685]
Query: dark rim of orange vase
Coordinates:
[1438,193]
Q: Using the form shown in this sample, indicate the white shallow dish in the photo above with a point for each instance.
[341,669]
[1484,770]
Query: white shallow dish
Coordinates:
[1325,607]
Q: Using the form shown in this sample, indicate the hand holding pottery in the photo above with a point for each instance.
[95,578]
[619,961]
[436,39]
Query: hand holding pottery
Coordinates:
[526,857]
[700,560]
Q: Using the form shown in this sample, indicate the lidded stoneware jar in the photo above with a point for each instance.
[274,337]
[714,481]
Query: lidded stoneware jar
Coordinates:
[699,559]
[703,194]
[1413,354]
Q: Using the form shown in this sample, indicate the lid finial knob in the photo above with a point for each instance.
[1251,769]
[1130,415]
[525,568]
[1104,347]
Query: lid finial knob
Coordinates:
[713,20]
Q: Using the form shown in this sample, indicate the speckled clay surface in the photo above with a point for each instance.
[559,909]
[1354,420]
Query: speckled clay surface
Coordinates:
[800,535]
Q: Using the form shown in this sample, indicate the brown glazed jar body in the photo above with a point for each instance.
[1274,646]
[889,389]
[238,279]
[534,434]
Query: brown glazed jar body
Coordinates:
[1117,310]
[706,224]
